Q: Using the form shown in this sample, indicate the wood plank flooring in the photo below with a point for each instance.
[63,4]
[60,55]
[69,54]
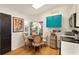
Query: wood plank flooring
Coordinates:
[43,51]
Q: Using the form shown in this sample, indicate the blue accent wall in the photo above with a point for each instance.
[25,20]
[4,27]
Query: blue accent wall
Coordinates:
[54,21]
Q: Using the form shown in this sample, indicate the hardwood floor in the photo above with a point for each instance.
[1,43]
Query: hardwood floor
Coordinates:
[42,51]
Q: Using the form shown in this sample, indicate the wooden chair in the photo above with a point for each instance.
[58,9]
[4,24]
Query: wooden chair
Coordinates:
[27,43]
[37,42]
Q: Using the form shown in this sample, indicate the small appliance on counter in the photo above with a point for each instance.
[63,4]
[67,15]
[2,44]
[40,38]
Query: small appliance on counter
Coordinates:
[69,33]
[76,34]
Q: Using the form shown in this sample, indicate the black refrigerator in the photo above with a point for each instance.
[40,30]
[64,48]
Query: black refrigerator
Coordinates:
[5,33]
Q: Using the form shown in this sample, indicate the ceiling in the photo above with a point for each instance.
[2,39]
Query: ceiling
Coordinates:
[28,9]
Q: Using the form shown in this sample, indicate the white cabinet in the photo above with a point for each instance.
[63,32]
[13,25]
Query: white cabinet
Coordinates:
[68,48]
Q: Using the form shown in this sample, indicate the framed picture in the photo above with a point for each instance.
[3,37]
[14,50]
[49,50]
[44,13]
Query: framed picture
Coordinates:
[26,28]
[76,20]
[18,24]
[72,21]
[37,27]
[33,27]
[40,28]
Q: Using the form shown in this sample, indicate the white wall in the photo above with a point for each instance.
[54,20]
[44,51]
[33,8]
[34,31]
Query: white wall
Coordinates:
[16,39]
[65,10]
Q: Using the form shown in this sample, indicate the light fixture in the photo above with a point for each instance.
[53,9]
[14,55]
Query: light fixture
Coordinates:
[36,6]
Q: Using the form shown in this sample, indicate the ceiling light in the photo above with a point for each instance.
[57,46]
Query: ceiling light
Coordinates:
[36,6]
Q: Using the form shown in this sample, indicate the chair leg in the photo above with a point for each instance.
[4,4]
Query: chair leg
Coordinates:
[34,52]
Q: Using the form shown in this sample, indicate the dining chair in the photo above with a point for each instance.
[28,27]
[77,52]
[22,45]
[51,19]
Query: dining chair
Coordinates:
[37,42]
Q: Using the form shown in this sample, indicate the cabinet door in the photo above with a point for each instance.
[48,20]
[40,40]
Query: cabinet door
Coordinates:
[68,48]
[0,36]
[6,33]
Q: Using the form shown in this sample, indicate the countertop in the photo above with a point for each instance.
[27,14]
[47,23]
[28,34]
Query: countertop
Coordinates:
[70,39]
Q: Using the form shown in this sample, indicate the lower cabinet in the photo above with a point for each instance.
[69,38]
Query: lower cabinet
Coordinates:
[68,48]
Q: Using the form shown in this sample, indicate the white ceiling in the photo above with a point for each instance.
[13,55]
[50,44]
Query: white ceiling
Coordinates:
[28,9]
